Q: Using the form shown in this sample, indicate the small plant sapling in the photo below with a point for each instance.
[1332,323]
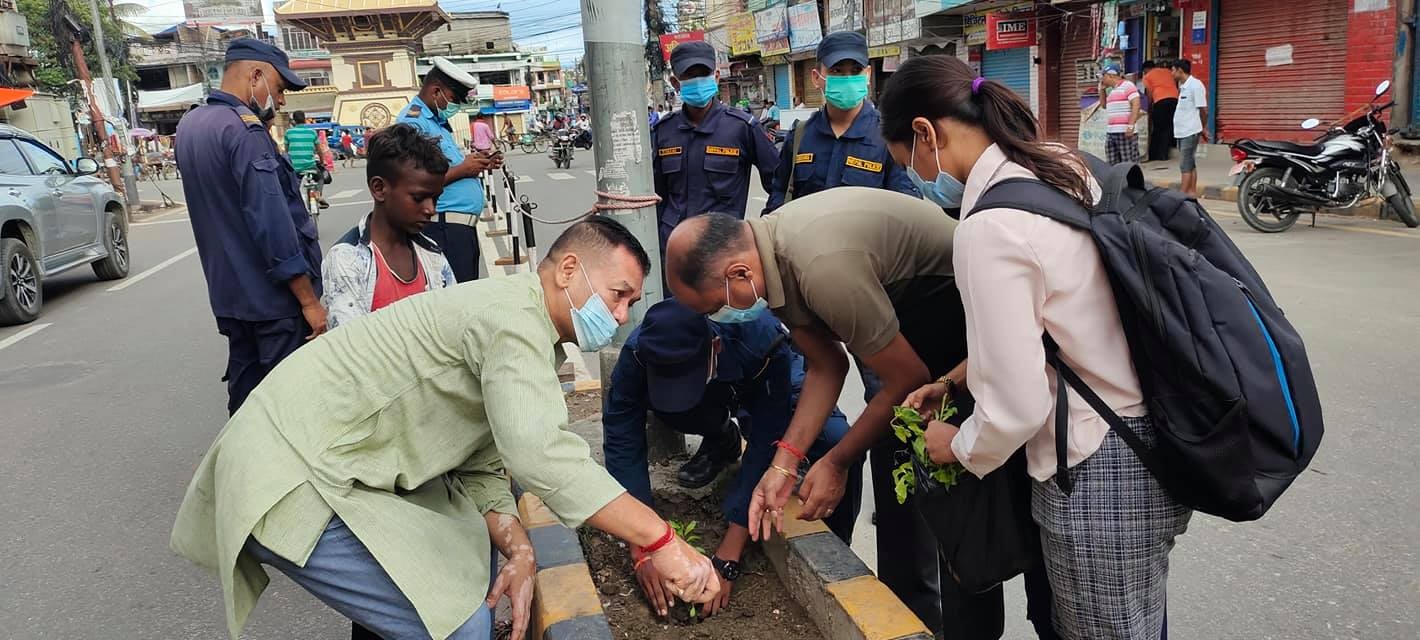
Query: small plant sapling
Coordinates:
[686,531]
[910,427]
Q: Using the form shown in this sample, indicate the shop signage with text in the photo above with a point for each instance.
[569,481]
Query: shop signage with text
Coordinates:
[510,92]
[670,41]
[1010,29]
[742,42]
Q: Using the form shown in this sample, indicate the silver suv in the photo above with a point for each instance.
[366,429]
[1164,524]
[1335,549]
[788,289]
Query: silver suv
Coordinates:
[52,218]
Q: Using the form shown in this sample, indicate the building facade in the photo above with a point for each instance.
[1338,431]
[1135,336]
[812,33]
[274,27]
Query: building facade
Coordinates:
[471,33]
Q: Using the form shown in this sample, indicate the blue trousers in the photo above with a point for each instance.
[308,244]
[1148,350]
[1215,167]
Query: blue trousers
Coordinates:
[254,349]
[342,573]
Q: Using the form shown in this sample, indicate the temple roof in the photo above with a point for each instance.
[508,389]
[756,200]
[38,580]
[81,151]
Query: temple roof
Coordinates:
[299,8]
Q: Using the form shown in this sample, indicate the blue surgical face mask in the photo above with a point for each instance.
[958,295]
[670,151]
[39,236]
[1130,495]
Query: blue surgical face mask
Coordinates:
[732,315]
[449,109]
[593,323]
[698,92]
[845,92]
[945,191]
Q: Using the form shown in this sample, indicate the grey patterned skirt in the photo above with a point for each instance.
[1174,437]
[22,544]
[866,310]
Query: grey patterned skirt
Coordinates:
[1106,545]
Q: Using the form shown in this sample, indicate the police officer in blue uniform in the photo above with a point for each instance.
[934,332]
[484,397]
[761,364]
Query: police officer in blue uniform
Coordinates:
[445,88]
[840,143]
[703,152]
[256,242]
[695,374]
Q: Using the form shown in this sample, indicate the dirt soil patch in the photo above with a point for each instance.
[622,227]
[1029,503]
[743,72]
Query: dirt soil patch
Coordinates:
[583,405]
[760,607]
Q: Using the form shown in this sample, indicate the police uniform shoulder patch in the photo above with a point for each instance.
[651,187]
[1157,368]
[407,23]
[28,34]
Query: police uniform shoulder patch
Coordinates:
[740,113]
[250,119]
[414,111]
[866,165]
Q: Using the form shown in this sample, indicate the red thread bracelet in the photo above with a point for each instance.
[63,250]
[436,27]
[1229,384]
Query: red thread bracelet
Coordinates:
[664,540]
[790,448]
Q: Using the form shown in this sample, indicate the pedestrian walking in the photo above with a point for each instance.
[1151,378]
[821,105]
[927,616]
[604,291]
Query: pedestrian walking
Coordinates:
[362,472]
[1121,105]
[386,257]
[1188,121]
[869,269]
[1162,92]
[753,374]
[840,143]
[704,152]
[446,87]
[482,134]
[1022,276]
[256,242]
[651,116]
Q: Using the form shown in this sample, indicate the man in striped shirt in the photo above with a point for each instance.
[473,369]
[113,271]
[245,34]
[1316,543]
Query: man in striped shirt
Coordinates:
[1121,104]
[301,143]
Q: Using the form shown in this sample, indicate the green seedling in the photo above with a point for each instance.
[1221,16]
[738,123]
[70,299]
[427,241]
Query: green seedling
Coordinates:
[686,531]
[910,427]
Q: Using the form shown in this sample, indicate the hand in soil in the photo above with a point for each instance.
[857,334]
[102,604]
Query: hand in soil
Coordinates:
[822,489]
[766,504]
[515,580]
[721,601]
[653,586]
[687,574]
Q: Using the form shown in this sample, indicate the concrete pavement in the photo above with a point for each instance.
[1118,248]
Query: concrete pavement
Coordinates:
[108,405]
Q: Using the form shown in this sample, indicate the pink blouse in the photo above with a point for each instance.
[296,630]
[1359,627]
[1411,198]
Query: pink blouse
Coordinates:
[1021,274]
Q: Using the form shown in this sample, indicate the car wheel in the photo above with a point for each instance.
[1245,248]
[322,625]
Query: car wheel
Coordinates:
[115,266]
[19,275]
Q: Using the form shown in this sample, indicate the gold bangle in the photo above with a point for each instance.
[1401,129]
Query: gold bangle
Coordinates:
[951,385]
[784,471]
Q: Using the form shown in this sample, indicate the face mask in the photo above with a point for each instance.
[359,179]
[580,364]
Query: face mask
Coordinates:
[267,110]
[593,323]
[697,92]
[945,191]
[448,110]
[845,92]
[731,315]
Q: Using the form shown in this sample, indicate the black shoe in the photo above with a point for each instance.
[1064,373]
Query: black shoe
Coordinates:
[709,460]
[320,202]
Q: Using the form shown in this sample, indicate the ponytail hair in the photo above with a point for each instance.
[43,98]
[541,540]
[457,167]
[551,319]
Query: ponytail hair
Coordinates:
[935,87]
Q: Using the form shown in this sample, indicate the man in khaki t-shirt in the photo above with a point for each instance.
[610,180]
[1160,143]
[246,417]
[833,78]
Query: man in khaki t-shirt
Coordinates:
[868,268]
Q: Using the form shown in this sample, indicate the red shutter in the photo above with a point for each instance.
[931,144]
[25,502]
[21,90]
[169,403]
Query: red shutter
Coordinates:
[1077,40]
[1256,100]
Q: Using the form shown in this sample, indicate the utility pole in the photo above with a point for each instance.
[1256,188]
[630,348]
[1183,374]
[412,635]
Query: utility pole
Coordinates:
[616,77]
[96,115]
[130,184]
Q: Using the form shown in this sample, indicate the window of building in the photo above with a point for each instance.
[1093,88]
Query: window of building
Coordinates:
[299,40]
[372,74]
[315,77]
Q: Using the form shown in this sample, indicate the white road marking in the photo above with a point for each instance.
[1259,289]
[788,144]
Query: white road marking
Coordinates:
[24,333]
[591,173]
[347,194]
[561,176]
[150,222]
[759,199]
[357,203]
[525,178]
[159,267]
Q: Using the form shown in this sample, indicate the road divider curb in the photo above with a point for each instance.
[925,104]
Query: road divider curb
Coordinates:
[565,601]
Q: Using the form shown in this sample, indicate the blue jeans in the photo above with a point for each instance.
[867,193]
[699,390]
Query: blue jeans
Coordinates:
[342,573]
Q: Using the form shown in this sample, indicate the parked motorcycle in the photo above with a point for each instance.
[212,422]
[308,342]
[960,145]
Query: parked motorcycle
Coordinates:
[561,149]
[1279,181]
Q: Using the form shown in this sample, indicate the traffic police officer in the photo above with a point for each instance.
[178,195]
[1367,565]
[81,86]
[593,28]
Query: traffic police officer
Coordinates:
[445,88]
[840,143]
[703,152]
[694,374]
[256,242]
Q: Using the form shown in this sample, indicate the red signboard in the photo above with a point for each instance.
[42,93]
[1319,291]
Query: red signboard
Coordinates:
[510,92]
[1009,30]
[670,41]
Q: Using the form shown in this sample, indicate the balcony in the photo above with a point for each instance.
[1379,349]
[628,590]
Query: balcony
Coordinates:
[314,89]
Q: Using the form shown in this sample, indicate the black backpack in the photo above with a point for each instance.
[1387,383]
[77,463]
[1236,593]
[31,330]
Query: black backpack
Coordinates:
[1224,375]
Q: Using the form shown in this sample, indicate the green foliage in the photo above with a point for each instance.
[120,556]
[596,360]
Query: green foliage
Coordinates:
[686,531]
[910,427]
[51,48]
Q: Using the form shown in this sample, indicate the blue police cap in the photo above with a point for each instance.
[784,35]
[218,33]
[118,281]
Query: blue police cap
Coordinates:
[253,49]
[689,54]
[675,348]
[843,45]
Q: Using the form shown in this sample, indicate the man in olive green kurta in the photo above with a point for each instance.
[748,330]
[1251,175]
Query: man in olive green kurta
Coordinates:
[402,424]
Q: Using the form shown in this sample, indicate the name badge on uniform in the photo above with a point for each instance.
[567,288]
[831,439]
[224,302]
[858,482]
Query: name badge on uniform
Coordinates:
[803,158]
[669,151]
[722,151]
[866,165]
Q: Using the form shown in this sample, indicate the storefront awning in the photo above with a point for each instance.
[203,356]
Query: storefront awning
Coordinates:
[11,96]
[171,99]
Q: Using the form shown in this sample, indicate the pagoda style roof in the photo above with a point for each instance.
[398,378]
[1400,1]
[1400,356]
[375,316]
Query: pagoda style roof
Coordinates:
[303,8]
[344,23]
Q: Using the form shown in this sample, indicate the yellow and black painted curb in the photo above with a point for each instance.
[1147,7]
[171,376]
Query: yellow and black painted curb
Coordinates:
[845,599]
[565,601]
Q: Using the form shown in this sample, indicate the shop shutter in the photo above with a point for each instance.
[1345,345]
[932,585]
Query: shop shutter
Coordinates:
[1077,52]
[1305,40]
[1010,67]
[782,97]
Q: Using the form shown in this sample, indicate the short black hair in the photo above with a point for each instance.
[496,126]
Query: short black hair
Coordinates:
[389,149]
[1182,65]
[598,235]
[722,236]
[1148,64]
[299,117]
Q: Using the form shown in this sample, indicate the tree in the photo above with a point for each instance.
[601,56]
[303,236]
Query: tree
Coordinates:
[50,38]
[656,27]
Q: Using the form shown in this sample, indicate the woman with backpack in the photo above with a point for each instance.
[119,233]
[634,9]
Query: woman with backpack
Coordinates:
[1022,276]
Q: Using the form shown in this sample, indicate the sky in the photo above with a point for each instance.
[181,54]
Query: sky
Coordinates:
[554,24]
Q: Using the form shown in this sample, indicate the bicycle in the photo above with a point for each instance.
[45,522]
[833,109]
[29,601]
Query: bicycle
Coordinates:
[533,142]
[310,185]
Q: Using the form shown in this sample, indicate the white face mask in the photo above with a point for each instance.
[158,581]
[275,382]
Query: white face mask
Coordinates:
[267,110]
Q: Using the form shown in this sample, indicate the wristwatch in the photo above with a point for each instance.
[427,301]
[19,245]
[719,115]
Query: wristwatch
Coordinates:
[728,569]
[951,386]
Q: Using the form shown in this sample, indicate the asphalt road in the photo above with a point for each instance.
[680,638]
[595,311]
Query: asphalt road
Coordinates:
[109,400]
